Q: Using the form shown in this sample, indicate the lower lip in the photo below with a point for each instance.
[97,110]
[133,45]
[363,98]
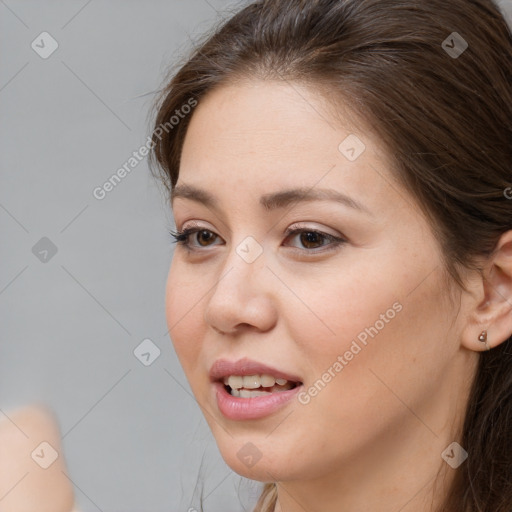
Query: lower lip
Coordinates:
[236,408]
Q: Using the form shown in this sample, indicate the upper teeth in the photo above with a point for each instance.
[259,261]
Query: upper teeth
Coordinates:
[252,381]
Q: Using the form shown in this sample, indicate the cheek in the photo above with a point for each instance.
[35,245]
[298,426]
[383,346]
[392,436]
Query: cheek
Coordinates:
[184,316]
[339,308]
[388,336]
[369,327]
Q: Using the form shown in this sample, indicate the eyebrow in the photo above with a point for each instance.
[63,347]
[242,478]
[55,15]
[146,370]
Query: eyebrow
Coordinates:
[274,200]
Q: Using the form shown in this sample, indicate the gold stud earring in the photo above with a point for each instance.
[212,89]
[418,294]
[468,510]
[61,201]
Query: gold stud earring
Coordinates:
[483,338]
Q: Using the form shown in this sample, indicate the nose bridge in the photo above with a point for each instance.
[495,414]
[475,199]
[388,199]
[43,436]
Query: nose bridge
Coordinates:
[240,295]
[244,265]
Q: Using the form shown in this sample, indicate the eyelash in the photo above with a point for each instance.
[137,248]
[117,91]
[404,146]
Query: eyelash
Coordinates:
[183,238]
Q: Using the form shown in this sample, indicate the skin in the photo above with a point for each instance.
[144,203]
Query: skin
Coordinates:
[25,485]
[372,438]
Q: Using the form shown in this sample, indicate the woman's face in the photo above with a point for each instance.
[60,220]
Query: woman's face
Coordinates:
[353,308]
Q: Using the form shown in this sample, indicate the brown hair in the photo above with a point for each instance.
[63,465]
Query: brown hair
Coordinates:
[446,122]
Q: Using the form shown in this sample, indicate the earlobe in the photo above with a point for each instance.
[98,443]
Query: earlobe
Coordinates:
[491,319]
[483,339]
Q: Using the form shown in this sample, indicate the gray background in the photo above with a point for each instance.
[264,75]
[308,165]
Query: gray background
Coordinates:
[133,436]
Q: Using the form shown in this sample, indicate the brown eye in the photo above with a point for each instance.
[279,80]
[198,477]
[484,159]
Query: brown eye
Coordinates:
[204,237]
[194,237]
[311,239]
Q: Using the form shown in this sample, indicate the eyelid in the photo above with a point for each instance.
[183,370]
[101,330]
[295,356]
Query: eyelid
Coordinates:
[194,224]
[305,226]
[297,225]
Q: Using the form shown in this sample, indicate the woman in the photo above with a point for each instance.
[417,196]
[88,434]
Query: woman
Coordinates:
[340,296]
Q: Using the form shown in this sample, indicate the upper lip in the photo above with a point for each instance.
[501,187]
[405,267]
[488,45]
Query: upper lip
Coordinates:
[224,368]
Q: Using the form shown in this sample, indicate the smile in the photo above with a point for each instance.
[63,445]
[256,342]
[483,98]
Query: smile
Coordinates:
[247,389]
[249,386]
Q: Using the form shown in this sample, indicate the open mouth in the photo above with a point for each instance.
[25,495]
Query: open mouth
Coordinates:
[249,386]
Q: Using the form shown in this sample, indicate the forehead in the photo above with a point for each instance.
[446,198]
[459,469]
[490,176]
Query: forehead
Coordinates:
[263,136]
[265,116]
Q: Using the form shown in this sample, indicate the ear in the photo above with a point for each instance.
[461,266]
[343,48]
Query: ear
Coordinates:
[492,310]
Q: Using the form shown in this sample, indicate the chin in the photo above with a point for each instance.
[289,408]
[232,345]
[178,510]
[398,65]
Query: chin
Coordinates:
[259,460]
[263,471]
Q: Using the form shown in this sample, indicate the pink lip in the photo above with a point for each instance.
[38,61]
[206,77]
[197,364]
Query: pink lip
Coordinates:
[236,408]
[223,368]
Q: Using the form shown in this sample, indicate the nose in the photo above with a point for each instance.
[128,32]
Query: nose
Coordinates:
[242,297]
